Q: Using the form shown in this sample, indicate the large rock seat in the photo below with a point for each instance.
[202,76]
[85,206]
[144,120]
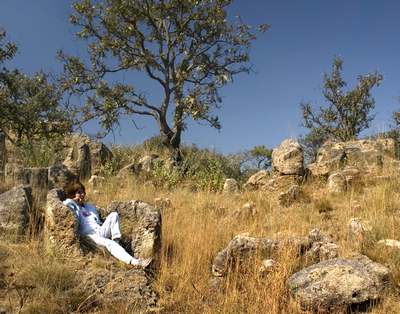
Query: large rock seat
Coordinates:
[141,228]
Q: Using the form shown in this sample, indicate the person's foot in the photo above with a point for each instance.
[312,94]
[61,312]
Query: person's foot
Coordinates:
[141,263]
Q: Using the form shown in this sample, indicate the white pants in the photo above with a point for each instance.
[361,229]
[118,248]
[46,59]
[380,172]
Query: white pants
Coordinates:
[105,235]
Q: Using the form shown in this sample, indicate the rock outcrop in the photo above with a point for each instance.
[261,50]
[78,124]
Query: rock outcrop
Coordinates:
[258,180]
[287,166]
[141,228]
[85,157]
[61,226]
[37,179]
[366,155]
[131,288]
[336,183]
[339,283]
[15,209]
[141,224]
[61,177]
[243,246]
[287,159]
[289,196]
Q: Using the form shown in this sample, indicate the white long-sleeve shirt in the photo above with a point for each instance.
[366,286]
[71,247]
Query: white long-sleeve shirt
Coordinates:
[87,215]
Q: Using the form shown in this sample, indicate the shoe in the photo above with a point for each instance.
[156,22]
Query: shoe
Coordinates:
[146,262]
[142,263]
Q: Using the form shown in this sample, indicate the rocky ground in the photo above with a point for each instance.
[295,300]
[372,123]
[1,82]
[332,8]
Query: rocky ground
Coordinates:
[324,238]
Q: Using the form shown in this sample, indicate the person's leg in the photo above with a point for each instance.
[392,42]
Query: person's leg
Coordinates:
[115,249]
[110,228]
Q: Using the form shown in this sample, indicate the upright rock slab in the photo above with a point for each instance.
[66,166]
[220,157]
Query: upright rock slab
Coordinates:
[3,155]
[37,179]
[85,156]
[60,176]
[61,226]
[142,223]
[287,159]
[15,209]
[339,283]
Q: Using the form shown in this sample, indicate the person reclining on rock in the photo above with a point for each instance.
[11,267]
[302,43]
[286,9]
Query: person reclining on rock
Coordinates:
[106,234]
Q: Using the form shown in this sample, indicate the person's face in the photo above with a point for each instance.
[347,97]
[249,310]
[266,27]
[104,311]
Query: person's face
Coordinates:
[79,196]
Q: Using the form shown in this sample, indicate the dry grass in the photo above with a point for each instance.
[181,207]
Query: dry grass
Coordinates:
[199,224]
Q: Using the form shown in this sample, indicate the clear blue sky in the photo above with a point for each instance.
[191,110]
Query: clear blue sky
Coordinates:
[290,59]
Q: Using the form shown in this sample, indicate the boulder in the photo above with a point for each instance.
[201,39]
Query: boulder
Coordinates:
[248,210]
[242,246]
[61,226]
[85,156]
[288,197]
[282,183]
[78,160]
[358,229]
[38,179]
[230,186]
[369,155]
[336,183]
[15,209]
[118,285]
[257,180]
[129,289]
[100,154]
[287,159]
[141,223]
[351,174]
[239,249]
[61,177]
[3,155]
[146,163]
[339,283]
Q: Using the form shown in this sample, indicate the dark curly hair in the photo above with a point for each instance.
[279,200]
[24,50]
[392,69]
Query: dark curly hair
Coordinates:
[72,189]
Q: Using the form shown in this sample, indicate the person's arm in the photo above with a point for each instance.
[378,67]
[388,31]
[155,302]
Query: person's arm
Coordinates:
[72,206]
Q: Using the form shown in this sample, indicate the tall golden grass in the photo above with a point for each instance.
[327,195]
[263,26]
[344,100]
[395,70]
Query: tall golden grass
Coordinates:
[196,226]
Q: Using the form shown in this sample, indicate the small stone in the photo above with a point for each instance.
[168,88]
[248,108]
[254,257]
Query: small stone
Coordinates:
[390,243]
[231,186]
[358,229]
[267,266]
[336,183]
[96,181]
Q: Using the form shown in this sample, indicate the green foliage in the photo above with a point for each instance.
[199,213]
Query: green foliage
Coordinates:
[207,170]
[188,48]
[41,152]
[346,114]
[30,107]
[201,169]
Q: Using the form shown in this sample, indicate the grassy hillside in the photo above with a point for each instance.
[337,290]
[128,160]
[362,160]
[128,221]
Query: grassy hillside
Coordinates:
[195,227]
